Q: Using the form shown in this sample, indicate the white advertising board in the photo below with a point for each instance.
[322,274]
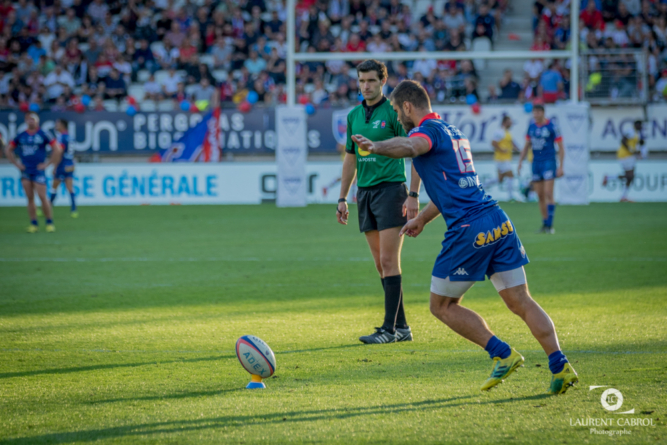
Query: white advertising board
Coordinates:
[254,182]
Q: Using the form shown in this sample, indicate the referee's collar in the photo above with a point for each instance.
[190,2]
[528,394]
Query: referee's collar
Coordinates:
[369,110]
[429,116]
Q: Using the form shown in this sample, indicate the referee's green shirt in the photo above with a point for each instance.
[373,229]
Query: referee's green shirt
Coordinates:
[377,123]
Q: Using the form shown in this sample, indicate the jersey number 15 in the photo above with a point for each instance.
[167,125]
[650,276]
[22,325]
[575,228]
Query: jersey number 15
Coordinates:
[463,156]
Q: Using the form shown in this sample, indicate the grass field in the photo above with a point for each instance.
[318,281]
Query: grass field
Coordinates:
[120,328]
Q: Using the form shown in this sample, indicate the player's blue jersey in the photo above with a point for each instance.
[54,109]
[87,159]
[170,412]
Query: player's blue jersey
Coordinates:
[448,172]
[32,148]
[543,139]
[68,151]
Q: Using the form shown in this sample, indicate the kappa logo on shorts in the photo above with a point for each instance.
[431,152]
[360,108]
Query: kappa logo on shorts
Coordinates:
[460,271]
[492,236]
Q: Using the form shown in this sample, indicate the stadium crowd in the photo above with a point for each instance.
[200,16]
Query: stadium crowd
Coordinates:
[92,54]
[612,27]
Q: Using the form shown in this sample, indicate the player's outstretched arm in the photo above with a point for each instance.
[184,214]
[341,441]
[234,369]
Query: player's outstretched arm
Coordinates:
[415,226]
[561,159]
[523,154]
[12,156]
[399,147]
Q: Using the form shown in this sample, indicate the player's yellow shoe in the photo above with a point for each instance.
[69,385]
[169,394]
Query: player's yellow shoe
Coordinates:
[32,228]
[50,228]
[502,368]
[563,380]
[74,214]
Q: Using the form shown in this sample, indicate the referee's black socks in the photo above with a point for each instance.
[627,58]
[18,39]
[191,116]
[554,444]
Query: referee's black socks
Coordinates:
[394,314]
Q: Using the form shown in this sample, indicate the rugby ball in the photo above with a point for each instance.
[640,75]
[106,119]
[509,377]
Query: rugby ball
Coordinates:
[255,356]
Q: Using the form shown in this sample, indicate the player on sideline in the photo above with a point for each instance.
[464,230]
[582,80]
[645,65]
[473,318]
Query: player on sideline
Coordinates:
[383,201]
[503,146]
[543,136]
[480,237]
[32,150]
[632,145]
[64,171]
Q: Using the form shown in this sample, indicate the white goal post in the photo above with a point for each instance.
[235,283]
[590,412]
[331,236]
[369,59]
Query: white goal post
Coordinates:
[293,57]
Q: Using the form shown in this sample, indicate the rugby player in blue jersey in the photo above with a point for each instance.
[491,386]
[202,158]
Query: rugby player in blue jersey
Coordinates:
[64,171]
[543,136]
[31,146]
[480,239]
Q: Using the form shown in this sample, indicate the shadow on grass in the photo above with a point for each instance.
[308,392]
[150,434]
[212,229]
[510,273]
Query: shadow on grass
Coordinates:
[183,426]
[8,375]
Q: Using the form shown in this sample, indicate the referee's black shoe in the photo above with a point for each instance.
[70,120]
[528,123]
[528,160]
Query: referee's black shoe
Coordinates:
[380,336]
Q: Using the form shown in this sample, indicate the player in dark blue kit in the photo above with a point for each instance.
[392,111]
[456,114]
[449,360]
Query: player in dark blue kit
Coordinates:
[64,171]
[543,136]
[31,145]
[480,240]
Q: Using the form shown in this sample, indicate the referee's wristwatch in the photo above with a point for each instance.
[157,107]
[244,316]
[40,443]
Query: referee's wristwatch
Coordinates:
[342,200]
[413,195]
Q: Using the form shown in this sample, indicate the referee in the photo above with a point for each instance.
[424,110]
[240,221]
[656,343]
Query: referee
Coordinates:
[382,199]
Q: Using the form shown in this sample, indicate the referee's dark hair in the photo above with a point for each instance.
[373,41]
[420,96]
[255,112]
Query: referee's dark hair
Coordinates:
[373,65]
[412,92]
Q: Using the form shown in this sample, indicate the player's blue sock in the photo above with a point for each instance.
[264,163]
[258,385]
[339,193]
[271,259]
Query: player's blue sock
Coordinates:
[557,361]
[52,197]
[551,209]
[71,195]
[497,348]
[49,221]
[33,222]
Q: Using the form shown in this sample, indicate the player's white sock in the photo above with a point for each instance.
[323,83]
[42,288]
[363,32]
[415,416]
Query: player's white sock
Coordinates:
[510,187]
[626,190]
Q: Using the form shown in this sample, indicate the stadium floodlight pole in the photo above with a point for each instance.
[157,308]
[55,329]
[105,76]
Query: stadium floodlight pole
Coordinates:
[291,38]
[437,55]
[574,44]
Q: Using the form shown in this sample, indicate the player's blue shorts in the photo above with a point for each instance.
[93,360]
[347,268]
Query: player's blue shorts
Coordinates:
[64,170]
[36,176]
[483,246]
[544,170]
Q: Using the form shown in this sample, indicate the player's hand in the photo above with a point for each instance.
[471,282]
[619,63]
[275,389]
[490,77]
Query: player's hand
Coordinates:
[364,143]
[42,166]
[342,213]
[518,169]
[20,166]
[411,207]
[559,172]
[412,228]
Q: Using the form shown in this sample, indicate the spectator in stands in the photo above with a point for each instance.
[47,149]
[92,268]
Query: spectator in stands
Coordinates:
[551,84]
[591,17]
[170,83]
[454,20]
[115,87]
[254,63]
[56,81]
[509,89]
[485,19]
[152,90]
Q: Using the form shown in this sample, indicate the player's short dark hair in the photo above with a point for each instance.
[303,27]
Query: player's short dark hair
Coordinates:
[412,92]
[638,122]
[373,65]
[506,117]
[63,122]
[538,107]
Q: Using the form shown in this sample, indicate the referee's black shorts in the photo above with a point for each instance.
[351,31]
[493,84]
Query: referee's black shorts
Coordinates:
[381,206]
